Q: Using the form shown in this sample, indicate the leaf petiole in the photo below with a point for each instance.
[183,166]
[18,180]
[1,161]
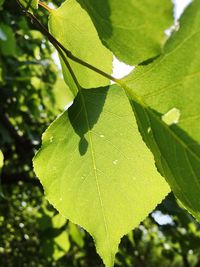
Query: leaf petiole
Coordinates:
[44,5]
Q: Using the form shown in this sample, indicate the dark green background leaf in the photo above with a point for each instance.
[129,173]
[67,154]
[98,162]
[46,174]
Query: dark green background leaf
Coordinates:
[29,4]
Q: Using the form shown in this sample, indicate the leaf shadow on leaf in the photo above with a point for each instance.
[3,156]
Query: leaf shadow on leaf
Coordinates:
[102,18]
[140,112]
[85,111]
[190,142]
[148,61]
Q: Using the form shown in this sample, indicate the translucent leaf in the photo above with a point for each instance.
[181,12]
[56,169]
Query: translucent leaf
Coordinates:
[97,171]
[165,98]
[133,30]
[72,26]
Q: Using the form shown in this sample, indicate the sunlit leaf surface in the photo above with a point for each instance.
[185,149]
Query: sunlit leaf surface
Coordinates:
[96,169]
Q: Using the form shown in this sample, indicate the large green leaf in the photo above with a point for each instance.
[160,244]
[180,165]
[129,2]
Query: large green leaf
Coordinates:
[96,169]
[132,29]
[165,98]
[72,26]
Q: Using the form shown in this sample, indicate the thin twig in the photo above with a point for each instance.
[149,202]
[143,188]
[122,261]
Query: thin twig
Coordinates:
[68,66]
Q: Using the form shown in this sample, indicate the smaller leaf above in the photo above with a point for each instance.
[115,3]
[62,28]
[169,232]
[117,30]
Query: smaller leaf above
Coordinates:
[97,171]
[73,28]
[133,30]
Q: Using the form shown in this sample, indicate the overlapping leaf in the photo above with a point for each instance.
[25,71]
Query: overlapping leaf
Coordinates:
[72,26]
[96,169]
[165,98]
[133,30]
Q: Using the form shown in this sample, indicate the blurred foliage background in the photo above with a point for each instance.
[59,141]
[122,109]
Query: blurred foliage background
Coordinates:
[32,233]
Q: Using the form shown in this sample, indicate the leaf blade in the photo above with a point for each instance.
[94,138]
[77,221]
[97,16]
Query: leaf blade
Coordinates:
[100,170]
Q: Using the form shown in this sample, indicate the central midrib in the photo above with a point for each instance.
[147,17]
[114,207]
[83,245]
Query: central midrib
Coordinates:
[91,147]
